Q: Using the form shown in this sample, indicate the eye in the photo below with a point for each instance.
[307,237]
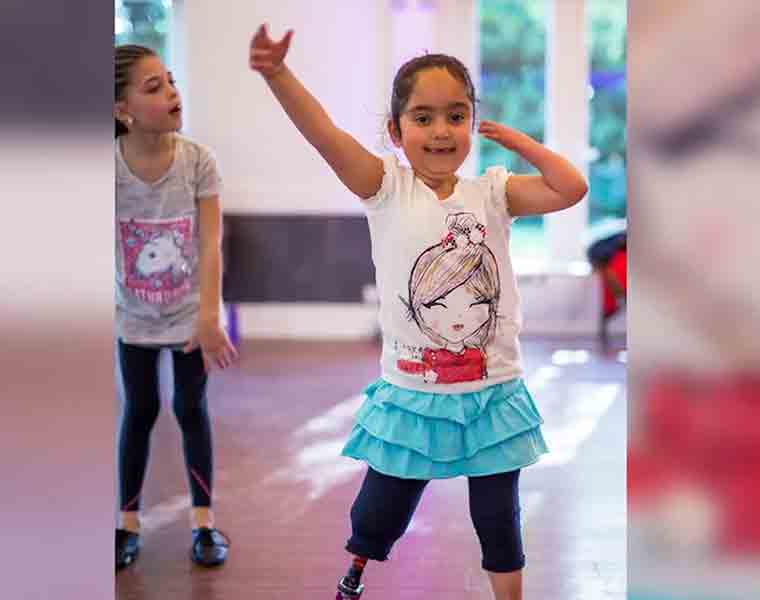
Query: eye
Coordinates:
[422,119]
[435,303]
[458,118]
[479,302]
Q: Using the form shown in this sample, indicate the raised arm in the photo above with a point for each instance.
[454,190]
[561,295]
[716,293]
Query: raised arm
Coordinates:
[358,169]
[560,185]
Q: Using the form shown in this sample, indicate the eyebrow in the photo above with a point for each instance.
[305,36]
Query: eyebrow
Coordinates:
[425,107]
[152,77]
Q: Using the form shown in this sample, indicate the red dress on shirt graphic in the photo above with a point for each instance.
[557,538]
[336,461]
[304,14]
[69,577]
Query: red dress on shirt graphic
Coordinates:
[449,367]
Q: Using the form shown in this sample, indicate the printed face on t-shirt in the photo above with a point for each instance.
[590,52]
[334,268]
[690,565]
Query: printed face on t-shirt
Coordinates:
[457,315]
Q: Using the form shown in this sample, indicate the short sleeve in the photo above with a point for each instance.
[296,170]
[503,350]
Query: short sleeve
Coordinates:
[497,178]
[388,186]
[208,180]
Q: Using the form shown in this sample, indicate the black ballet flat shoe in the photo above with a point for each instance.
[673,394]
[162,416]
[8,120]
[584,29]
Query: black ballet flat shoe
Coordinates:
[209,548]
[128,545]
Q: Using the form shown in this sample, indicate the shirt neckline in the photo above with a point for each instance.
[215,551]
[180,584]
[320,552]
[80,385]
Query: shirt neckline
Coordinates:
[158,181]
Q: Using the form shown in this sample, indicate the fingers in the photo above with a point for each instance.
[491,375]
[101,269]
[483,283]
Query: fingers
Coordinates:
[264,60]
[226,354]
[489,127]
[266,55]
[261,39]
[221,354]
[284,44]
[191,345]
[261,35]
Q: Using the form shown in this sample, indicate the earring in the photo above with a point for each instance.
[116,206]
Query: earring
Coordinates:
[130,120]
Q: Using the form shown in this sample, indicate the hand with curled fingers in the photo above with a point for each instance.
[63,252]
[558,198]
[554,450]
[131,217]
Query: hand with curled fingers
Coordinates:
[501,134]
[267,56]
[215,346]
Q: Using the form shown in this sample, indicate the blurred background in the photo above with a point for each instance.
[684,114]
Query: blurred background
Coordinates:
[694,303]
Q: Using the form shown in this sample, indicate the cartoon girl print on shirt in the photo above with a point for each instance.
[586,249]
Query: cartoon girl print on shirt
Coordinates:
[453,298]
[157,258]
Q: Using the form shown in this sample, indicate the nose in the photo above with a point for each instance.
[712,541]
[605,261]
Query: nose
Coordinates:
[440,128]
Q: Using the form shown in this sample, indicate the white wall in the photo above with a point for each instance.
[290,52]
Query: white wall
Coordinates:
[345,52]
[339,51]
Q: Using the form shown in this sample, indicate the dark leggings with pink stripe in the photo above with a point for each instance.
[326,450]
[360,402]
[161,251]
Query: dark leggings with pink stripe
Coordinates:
[139,374]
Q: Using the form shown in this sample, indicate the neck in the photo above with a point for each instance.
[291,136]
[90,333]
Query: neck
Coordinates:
[455,347]
[443,186]
[148,144]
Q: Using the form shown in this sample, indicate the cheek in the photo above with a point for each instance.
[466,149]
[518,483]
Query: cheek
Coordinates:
[464,140]
[478,314]
[151,107]
[412,142]
[433,317]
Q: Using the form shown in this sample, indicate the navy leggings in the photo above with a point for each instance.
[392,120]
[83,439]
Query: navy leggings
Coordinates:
[385,505]
[139,372]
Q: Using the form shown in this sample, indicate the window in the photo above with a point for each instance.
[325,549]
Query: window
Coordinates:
[144,22]
[513,56]
[606,27]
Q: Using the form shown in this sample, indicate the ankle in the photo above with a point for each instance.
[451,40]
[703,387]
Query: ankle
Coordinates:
[201,516]
[355,571]
[130,521]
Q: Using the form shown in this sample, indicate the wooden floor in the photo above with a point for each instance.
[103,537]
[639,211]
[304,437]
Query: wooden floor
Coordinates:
[282,491]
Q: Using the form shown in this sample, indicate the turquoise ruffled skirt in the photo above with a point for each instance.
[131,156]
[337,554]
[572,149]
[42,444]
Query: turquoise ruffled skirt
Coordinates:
[420,435]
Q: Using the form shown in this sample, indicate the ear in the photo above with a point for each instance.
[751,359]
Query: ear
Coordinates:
[120,112]
[394,133]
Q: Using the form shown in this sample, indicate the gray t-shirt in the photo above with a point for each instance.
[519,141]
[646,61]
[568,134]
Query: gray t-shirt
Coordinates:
[157,246]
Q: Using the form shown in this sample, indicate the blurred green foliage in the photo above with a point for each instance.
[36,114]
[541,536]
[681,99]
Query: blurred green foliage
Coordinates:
[513,55]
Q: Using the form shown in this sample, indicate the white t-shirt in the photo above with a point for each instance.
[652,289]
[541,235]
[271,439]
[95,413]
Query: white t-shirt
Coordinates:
[449,306]
[157,246]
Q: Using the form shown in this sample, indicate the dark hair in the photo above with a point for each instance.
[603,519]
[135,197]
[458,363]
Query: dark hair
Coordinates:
[403,82]
[126,57]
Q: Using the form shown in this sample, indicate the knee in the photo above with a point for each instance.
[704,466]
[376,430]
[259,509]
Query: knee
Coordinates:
[190,412]
[141,416]
[500,538]
[371,537]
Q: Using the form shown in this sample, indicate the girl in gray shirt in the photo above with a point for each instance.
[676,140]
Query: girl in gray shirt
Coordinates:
[168,279]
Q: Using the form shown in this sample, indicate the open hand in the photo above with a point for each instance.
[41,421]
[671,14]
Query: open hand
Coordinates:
[216,348]
[501,134]
[266,56]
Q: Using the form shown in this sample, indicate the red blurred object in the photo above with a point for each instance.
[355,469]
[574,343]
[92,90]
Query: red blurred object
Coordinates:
[615,283]
[705,432]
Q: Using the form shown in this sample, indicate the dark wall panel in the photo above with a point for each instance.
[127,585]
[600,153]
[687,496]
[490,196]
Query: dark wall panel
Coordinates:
[296,258]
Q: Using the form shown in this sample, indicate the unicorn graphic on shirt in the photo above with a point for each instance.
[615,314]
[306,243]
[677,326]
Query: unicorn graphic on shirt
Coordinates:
[157,258]
[162,254]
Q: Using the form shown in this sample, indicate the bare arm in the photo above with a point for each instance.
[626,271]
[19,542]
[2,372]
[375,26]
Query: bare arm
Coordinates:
[358,169]
[560,185]
[209,335]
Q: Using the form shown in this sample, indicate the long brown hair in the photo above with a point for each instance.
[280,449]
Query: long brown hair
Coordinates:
[126,57]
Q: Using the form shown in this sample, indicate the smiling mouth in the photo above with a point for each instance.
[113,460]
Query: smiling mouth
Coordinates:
[457,327]
[176,110]
[440,150]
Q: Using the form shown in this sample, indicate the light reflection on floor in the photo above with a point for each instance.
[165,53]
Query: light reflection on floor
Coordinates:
[283,491]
